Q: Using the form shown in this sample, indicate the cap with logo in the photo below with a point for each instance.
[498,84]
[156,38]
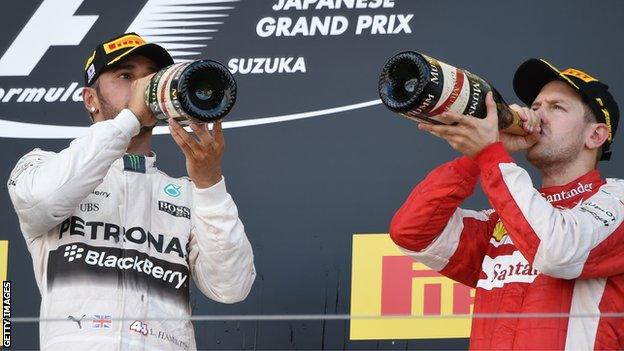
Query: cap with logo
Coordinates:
[111,52]
[534,74]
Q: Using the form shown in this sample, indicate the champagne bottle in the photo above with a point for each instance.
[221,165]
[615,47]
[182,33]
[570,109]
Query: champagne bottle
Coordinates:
[192,92]
[420,87]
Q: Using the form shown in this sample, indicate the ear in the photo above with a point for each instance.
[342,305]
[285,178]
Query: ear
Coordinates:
[91,101]
[598,136]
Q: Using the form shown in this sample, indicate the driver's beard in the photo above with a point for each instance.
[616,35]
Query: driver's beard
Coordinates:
[548,158]
[108,110]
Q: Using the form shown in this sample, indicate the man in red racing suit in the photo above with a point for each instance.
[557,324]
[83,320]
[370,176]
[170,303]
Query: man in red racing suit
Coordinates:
[558,250]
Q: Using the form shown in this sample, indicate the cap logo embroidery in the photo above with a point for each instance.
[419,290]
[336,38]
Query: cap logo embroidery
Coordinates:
[91,72]
[90,59]
[580,75]
[607,117]
[124,42]
[561,74]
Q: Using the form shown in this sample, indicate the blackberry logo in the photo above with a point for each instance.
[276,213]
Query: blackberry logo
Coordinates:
[77,261]
[73,252]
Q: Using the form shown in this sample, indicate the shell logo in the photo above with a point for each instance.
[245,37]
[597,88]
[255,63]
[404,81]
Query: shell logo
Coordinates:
[499,231]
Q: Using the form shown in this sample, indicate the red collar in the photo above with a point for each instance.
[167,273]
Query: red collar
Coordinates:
[575,191]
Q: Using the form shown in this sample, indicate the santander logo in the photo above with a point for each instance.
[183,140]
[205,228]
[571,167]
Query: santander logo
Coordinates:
[564,195]
[506,269]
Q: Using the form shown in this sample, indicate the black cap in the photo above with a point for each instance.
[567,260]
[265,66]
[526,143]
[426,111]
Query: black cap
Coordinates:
[107,54]
[534,74]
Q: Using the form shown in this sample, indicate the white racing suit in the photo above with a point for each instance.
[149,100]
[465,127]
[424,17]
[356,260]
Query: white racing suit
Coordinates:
[113,237]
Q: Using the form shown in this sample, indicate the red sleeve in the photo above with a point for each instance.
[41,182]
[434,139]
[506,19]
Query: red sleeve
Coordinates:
[432,228]
[585,241]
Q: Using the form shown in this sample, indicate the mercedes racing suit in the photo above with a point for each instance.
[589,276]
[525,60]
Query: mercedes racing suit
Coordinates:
[113,237]
[557,250]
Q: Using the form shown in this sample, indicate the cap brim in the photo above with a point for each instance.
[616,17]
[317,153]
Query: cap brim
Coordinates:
[531,77]
[152,51]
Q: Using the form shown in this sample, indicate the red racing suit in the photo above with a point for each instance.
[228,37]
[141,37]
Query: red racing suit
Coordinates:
[555,250]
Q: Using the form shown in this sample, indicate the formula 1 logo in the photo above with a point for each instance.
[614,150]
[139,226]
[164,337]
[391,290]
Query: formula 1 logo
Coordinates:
[54,23]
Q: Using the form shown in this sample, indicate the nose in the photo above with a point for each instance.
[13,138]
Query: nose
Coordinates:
[541,113]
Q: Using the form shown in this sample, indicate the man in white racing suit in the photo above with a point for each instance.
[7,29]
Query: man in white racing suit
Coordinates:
[115,241]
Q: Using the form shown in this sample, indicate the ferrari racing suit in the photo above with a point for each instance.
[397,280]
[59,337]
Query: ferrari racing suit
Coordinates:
[558,250]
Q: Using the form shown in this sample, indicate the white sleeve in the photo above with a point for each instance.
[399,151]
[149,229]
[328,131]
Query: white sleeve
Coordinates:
[46,187]
[221,258]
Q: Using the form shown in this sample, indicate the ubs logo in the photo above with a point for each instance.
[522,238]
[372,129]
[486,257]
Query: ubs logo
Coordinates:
[89,207]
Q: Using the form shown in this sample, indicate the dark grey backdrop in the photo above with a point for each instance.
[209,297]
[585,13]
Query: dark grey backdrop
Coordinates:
[304,187]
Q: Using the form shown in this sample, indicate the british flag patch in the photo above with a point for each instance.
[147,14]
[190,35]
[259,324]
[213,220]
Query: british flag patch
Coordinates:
[101,321]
